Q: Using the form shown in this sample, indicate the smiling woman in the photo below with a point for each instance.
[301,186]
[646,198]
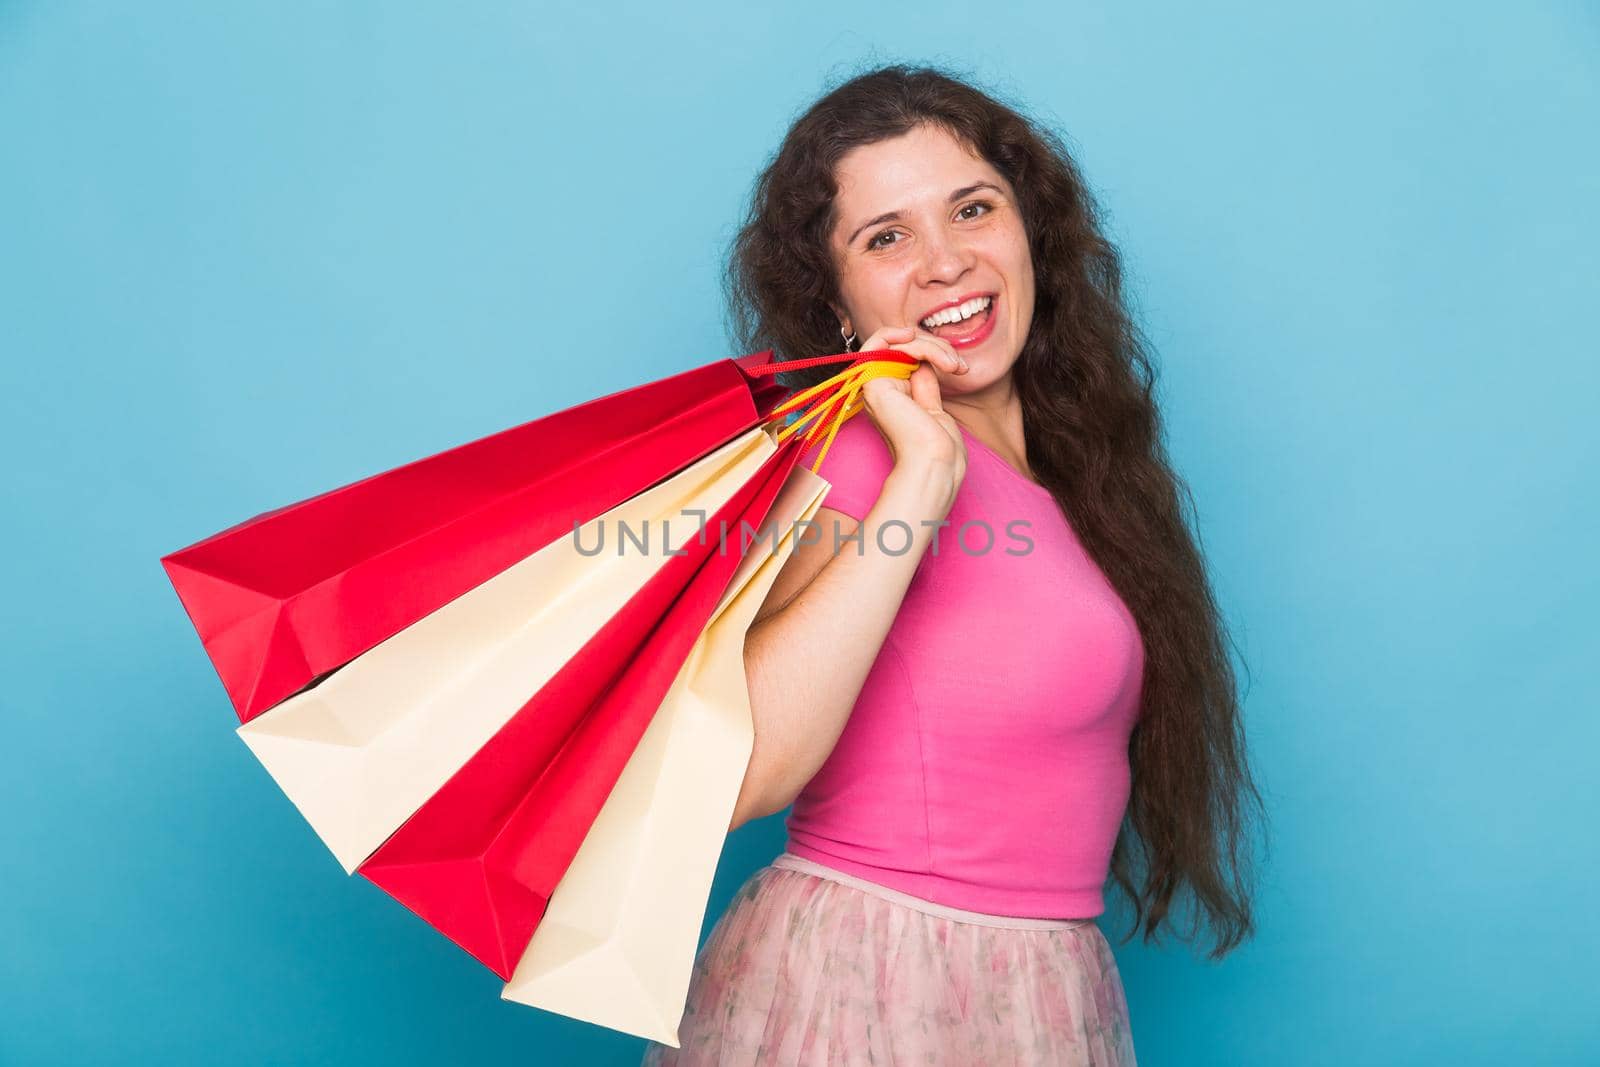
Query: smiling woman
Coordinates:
[953,259]
[974,744]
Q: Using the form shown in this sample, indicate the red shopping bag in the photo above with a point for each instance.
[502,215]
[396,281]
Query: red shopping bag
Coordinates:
[480,859]
[291,594]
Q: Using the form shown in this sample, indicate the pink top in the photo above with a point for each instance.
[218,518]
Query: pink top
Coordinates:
[985,765]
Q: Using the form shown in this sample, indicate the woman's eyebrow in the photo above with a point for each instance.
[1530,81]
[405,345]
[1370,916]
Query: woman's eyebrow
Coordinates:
[894,216]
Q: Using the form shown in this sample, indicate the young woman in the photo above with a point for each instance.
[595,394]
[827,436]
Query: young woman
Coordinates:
[998,678]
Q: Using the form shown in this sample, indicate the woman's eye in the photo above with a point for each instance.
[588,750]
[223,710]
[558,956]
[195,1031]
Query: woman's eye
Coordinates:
[874,243]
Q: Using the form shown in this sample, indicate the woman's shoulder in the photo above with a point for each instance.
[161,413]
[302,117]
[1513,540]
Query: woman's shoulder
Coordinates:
[858,437]
[855,466]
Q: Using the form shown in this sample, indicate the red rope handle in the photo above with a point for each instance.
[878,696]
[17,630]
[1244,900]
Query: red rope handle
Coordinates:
[822,361]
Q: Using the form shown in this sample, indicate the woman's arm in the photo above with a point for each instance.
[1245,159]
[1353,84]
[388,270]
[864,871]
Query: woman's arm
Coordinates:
[822,625]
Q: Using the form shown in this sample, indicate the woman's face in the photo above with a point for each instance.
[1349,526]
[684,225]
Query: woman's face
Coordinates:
[923,226]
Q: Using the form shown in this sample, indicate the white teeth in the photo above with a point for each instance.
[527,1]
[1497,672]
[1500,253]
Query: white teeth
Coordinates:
[956,314]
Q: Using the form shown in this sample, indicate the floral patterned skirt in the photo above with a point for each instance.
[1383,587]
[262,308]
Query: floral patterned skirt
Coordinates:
[813,966]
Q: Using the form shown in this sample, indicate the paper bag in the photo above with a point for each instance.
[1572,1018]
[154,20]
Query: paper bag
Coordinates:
[285,597]
[617,943]
[480,859]
[360,752]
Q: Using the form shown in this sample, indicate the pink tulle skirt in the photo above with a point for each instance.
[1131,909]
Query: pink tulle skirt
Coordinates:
[813,966]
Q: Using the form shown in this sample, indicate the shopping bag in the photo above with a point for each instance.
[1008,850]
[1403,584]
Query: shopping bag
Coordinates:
[293,593]
[360,752]
[480,859]
[292,601]
[617,942]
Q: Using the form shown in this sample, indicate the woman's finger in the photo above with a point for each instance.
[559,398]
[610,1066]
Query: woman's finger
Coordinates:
[925,389]
[928,349]
[954,358]
[887,336]
[924,346]
[935,351]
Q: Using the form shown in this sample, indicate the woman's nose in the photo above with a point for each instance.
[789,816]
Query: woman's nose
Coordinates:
[944,257]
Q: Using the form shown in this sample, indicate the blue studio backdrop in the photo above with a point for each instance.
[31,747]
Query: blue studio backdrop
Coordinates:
[252,251]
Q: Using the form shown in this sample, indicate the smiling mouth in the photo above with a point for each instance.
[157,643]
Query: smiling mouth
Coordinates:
[970,330]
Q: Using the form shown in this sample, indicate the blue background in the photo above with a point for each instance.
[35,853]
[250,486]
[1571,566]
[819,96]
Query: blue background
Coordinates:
[249,252]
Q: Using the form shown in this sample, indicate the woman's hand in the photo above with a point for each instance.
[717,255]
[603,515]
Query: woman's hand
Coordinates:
[909,413]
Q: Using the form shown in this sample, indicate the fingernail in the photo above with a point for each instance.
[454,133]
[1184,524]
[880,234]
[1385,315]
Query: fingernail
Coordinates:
[962,361]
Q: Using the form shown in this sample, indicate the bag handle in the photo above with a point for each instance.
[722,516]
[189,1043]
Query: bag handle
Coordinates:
[828,405]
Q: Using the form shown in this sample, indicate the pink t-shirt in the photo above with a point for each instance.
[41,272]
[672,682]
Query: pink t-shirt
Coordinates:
[985,764]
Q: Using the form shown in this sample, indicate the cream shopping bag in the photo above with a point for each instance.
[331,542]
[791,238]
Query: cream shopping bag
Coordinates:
[617,942]
[360,752]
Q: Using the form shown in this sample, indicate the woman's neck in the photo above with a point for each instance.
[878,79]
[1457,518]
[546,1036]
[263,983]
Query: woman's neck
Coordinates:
[994,416]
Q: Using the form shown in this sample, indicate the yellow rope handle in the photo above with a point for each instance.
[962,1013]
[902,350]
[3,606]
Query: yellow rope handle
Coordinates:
[828,405]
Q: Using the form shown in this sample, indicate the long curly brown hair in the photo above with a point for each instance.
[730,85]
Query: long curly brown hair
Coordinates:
[1093,437]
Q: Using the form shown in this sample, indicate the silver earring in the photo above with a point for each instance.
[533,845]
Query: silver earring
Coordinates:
[850,341]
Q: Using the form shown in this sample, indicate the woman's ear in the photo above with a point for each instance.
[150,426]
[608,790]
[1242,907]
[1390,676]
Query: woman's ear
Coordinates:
[840,314]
